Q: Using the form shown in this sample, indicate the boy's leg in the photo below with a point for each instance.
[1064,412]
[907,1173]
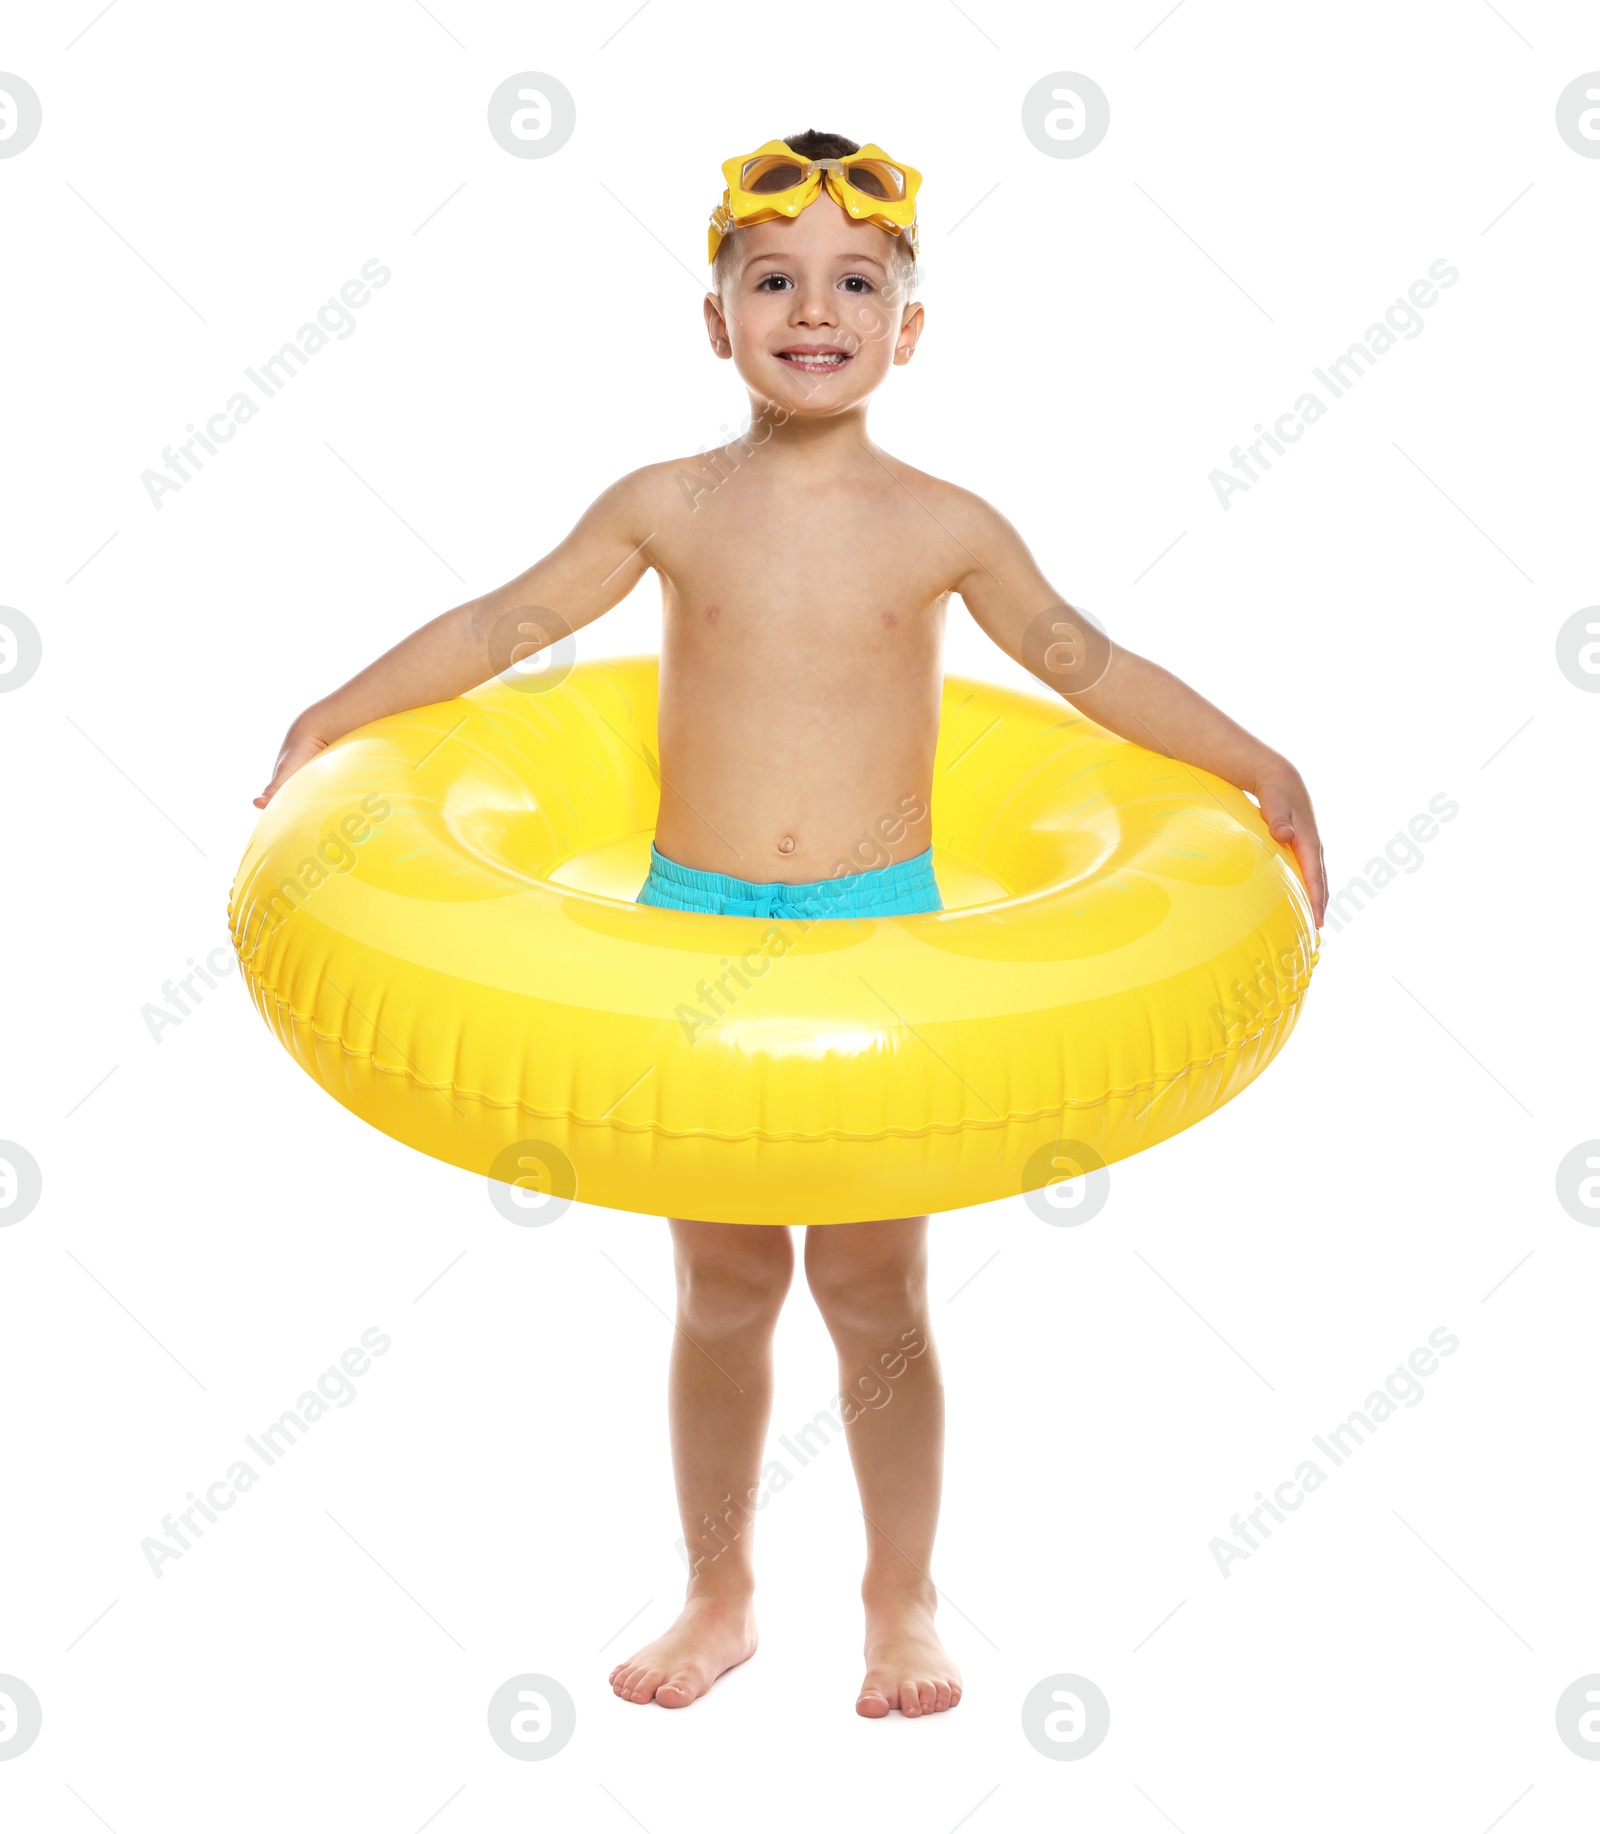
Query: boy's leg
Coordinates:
[870,1280]
[731,1278]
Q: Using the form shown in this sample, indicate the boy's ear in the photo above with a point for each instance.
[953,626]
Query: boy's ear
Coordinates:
[910,330]
[717,326]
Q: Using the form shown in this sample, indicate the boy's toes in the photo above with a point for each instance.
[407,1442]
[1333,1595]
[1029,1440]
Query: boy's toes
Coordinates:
[882,1694]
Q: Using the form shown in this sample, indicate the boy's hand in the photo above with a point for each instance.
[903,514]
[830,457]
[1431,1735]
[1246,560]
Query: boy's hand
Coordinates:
[1286,809]
[298,749]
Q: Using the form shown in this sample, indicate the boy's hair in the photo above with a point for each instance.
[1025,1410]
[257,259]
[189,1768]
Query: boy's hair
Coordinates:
[814,144]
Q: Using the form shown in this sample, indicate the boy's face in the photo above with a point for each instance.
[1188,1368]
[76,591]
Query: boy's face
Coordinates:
[814,311]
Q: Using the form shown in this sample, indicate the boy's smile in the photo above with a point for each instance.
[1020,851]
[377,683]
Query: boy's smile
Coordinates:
[814,359]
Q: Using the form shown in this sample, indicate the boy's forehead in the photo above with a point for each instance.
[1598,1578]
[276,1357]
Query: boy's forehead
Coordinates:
[822,228]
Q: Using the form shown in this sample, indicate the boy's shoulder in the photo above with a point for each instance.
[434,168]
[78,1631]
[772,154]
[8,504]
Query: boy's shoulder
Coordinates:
[973,521]
[941,494]
[988,546]
[651,490]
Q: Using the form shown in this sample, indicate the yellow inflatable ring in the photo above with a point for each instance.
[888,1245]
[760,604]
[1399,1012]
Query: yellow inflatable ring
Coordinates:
[436,917]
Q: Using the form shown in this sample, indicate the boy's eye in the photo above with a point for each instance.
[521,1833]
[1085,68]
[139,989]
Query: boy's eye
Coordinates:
[777,283]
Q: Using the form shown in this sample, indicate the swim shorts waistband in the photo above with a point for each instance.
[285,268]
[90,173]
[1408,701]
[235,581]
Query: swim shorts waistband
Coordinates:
[902,889]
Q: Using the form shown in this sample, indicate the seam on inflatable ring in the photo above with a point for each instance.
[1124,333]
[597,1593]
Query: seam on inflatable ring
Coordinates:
[1161,1083]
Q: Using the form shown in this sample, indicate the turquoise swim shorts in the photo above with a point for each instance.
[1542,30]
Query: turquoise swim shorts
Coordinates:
[900,890]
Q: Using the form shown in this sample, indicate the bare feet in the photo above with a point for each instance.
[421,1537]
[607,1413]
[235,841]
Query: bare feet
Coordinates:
[906,1663]
[708,1636]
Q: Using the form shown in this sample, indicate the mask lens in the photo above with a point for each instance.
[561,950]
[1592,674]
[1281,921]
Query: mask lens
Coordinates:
[877,178]
[772,173]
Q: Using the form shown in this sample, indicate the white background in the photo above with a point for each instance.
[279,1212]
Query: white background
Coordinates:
[1383,606]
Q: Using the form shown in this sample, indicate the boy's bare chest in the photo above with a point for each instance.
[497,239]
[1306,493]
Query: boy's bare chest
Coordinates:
[802,564]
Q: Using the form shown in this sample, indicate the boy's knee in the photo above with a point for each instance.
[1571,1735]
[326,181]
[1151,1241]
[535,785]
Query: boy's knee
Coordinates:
[733,1292]
[865,1300]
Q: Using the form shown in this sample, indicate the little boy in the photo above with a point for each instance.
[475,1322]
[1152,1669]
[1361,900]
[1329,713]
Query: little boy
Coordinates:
[805,576]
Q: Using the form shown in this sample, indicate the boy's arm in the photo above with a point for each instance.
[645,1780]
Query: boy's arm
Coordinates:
[1012,601]
[595,567]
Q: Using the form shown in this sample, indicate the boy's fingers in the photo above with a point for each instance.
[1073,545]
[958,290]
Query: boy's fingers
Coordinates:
[1302,840]
[272,788]
[1309,853]
[1298,832]
[1316,881]
[290,761]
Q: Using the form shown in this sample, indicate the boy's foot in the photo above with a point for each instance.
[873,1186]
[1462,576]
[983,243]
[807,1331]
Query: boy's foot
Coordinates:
[707,1637]
[906,1663]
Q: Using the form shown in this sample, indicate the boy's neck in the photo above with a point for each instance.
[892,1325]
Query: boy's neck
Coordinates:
[825,443]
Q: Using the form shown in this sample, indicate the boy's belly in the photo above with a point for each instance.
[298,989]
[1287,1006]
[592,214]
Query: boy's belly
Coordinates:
[800,775]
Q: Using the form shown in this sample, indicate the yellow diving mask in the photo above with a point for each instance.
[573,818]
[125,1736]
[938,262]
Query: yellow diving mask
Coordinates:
[775,181]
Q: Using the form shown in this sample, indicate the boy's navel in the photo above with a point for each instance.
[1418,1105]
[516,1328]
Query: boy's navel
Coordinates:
[786,845]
